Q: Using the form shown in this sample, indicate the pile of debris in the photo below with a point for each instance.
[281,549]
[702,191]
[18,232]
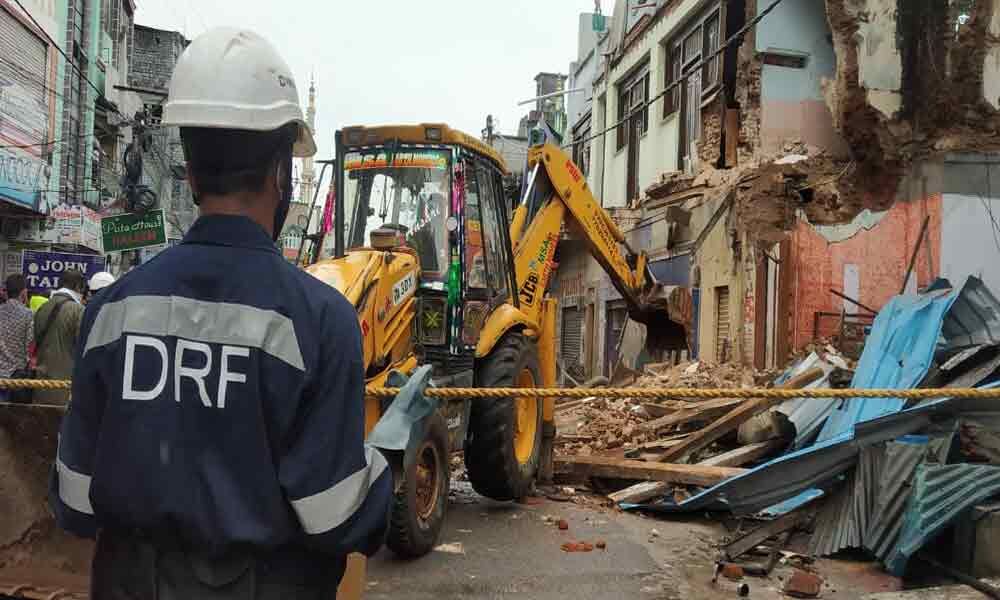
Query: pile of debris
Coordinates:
[882,475]
[632,426]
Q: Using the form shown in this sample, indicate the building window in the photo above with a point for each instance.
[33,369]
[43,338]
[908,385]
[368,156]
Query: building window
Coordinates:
[672,101]
[632,96]
[692,84]
[581,146]
[699,40]
[710,35]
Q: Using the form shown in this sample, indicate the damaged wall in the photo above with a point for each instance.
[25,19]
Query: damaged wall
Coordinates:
[868,257]
[865,259]
[914,79]
[794,45]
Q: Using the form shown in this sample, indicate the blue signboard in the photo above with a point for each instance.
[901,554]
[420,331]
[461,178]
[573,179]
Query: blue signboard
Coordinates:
[43,270]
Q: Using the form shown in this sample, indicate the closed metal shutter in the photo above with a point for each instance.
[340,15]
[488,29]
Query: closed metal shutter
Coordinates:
[572,336]
[24,112]
[722,352]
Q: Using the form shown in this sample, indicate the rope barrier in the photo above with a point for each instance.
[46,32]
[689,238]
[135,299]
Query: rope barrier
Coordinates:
[35,384]
[696,393]
[643,393]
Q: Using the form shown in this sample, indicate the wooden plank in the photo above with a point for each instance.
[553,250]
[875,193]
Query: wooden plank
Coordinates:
[618,468]
[745,454]
[641,492]
[752,539]
[732,137]
[701,410]
[735,418]
[659,410]
[564,406]
[657,446]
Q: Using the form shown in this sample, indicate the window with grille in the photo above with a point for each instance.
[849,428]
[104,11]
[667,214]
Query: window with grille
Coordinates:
[698,41]
[632,96]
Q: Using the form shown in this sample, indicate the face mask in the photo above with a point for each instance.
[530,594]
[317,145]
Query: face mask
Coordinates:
[285,201]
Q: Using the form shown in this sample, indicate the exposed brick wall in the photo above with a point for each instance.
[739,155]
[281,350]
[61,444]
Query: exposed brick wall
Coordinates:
[881,254]
[154,54]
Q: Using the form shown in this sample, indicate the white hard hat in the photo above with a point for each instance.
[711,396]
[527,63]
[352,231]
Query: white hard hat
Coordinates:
[101,280]
[234,79]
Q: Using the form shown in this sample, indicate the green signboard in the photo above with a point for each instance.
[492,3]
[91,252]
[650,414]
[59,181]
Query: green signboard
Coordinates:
[132,231]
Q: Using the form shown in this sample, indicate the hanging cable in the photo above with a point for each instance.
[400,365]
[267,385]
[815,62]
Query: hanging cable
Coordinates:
[693,71]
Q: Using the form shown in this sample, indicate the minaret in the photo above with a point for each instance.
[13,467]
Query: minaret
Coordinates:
[308,186]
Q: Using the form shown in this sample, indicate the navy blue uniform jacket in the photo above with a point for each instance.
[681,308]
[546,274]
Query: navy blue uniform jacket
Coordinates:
[218,398]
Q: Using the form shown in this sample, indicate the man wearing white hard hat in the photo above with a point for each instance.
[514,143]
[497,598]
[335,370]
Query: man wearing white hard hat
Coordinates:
[215,441]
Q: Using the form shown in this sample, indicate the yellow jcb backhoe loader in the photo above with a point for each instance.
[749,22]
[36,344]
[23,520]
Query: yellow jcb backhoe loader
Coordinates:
[440,273]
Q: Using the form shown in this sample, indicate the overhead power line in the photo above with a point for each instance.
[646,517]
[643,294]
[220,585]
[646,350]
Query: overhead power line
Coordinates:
[60,141]
[693,71]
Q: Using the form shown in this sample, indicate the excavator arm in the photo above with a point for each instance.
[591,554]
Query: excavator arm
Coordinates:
[557,194]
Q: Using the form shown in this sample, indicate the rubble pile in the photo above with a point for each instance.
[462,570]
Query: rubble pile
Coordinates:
[598,425]
[883,476]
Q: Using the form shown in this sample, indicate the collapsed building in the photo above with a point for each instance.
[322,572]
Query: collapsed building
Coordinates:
[796,164]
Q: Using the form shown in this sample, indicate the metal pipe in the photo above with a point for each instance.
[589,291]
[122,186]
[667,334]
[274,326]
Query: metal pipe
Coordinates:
[552,95]
[913,258]
[852,301]
[312,209]
[338,207]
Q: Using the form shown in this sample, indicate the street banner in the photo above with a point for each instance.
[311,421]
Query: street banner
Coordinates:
[131,231]
[43,270]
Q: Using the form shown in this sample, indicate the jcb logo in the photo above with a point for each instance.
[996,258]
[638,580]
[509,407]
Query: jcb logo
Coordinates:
[529,289]
[573,171]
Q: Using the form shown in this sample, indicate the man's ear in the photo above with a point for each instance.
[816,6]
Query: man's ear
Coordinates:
[280,175]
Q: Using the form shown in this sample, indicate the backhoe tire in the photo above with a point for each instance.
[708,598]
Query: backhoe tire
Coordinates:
[503,449]
[420,504]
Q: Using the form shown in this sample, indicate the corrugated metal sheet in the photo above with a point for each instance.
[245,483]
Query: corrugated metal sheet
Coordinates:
[802,470]
[897,355]
[843,521]
[808,415]
[974,319]
[899,460]
[940,494]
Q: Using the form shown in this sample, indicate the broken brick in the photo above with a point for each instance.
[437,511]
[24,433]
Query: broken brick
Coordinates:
[601,545]
[804,584]
[732,571]
[563,525]
[577,547]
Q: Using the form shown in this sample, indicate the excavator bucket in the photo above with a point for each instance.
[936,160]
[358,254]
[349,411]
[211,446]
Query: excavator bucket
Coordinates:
[667,313]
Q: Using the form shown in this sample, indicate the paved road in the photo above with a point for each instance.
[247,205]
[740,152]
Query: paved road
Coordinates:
[509,551]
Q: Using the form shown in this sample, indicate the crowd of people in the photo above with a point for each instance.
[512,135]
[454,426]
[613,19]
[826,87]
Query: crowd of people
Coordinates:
[38,332]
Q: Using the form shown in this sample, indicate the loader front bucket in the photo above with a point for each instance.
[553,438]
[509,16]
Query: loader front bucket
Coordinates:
[666,311]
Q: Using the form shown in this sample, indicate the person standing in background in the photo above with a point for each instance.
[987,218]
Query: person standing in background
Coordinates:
[37,301]
[15,329]
[57,324]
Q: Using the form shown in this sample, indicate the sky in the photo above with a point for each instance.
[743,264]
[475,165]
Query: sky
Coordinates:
[400,61]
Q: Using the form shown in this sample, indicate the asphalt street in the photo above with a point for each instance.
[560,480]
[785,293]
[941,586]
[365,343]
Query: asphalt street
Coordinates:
[505,550]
